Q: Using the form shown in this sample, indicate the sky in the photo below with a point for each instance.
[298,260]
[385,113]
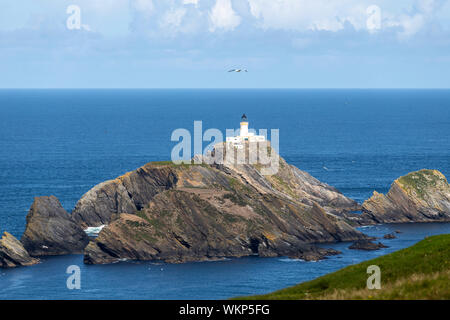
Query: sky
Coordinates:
[193,43]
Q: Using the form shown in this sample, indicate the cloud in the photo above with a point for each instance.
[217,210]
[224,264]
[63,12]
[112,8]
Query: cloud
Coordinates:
[409,24]
[194,2]
[101,7]
[172,18]
[419,18]
[290,19]
[333,16]
[160,19]
[429,6]
[143,6]
[222,16]
[304,15]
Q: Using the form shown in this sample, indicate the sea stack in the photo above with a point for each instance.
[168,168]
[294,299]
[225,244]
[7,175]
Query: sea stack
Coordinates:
[13,254]
[51,231]
[420,196]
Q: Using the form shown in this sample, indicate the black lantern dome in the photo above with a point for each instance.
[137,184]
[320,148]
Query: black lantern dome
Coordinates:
[244,118]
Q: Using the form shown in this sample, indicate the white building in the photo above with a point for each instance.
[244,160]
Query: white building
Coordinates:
[244,135]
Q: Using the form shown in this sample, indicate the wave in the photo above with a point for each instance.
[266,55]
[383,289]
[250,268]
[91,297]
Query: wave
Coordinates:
[94,231]
[290,260]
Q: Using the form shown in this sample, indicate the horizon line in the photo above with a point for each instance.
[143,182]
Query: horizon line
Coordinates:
[225,88]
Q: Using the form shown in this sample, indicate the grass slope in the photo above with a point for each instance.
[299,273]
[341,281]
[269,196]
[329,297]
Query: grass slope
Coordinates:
[418,272]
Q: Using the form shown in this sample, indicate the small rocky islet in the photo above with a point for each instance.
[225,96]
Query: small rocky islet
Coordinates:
[194,212]
[13,254]
[367,245]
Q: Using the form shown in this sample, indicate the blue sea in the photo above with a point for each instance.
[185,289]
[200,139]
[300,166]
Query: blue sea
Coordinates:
[63,142]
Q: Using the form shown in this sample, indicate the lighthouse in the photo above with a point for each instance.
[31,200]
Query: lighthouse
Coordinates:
[244,126]
[244,135]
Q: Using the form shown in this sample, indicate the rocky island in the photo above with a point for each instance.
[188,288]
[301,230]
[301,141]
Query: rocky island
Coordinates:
[366,245]
[190,212]
[421,196]
[193,212]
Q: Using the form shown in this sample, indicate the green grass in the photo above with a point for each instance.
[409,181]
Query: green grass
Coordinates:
[238,187]
[285,187]
[419,181]
[185,164]
[235,198]
[233,182]
[418,272]
[135,224]
[144,236]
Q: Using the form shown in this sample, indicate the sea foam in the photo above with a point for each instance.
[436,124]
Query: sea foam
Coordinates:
[93,231]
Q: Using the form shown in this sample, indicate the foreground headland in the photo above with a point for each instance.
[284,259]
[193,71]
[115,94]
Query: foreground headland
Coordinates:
[415,273]
[193,212]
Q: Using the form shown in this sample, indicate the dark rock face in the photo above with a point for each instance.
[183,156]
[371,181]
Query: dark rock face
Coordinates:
[126,194]
[313,253]
[51,231]
[421,196]
[179,213]
[389,236]
[13,254]
[182,226]
[133,191]
[367,245]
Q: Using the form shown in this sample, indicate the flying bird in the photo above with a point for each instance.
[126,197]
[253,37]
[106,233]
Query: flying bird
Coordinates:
[238,70]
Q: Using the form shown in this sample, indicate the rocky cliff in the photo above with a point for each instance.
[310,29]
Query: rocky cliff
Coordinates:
[13,254]
[421,196]
[51,231]
[192,212]
[133,191]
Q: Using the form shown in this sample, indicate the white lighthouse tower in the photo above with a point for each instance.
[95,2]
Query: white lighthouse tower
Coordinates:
[244,126]
[244,135]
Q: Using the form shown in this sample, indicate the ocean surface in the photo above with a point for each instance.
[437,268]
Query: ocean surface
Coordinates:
[63,142]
